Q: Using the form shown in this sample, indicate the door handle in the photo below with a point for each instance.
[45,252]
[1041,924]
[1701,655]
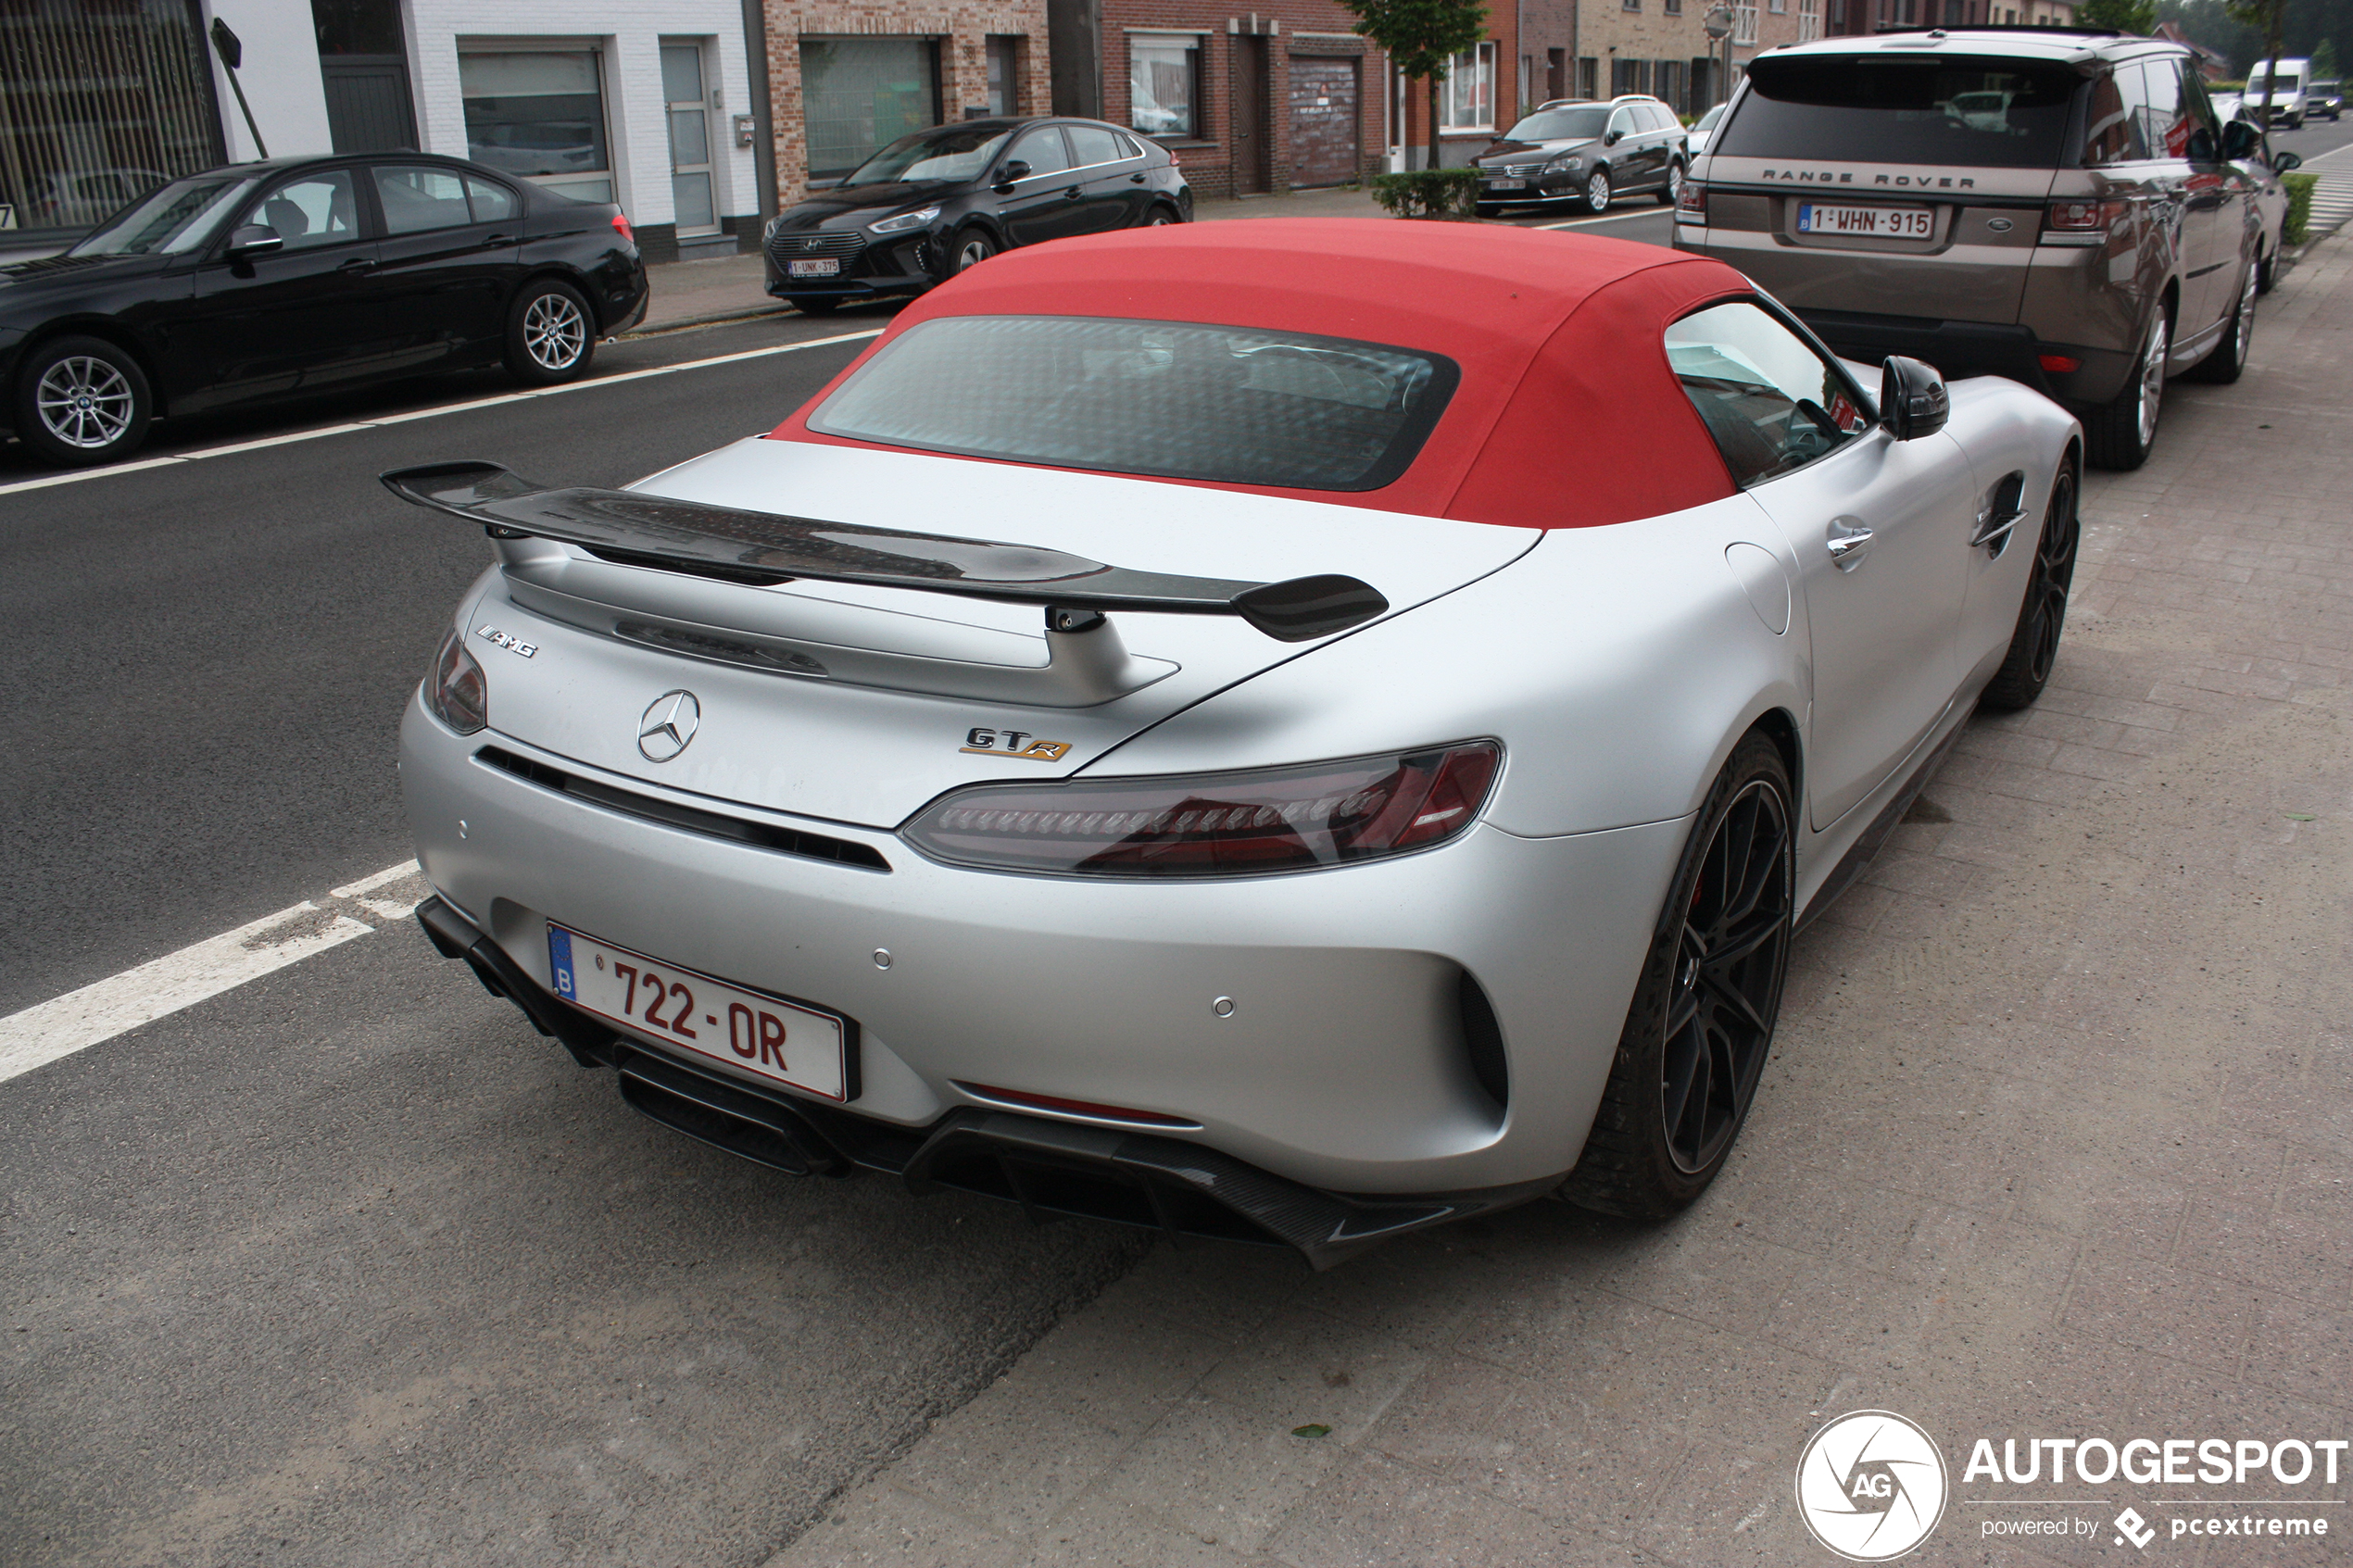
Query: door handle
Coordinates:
[1848,541]
[1135,179]
[1072,193]
[496,240]
[357,264]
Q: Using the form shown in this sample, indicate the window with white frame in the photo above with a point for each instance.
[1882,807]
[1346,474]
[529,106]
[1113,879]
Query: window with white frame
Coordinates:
[538,113]
[1164,85]
[1809,21]
[1780,8]
[1744,22]
[1468,103]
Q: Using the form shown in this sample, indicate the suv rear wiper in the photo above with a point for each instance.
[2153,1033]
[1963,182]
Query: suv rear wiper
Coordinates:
[691,534]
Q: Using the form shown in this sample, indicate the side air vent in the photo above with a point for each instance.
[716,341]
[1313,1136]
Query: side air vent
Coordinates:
[1484,1040]
[712,824]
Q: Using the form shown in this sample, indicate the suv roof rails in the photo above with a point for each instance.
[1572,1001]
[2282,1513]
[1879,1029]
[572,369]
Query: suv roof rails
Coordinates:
[2066,30]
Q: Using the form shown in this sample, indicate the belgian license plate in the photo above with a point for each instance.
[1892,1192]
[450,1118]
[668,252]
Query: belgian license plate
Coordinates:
[1866,222]
[1507,184]
[761,1035]
[814,266]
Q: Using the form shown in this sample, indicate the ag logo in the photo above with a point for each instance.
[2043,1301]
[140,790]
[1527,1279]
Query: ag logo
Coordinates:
[1014,743]
[1871,1486]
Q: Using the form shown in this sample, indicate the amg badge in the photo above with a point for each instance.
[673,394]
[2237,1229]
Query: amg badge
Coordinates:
[1014,743]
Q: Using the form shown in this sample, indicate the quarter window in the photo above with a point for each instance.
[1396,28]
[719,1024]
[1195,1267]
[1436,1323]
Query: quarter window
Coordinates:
[314,210]
[2116,118]
[1771,403]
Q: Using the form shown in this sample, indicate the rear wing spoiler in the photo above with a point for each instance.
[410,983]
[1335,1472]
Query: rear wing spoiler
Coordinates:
[659,532]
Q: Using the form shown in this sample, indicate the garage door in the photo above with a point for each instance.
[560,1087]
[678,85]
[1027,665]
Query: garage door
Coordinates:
[1323,121]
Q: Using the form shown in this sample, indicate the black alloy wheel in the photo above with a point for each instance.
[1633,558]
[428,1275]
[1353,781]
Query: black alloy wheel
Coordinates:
[2042,616]
[1701,1026]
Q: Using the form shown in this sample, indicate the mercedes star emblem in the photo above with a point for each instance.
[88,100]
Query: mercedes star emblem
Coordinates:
[669,724]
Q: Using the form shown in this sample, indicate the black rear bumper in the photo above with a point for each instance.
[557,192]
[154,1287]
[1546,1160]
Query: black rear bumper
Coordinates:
[1051,1169]
[1974,349]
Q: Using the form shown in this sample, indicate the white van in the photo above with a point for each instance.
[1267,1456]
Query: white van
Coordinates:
[2287,86]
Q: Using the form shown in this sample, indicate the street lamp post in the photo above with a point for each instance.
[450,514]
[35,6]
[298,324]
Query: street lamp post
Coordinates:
[1718,23]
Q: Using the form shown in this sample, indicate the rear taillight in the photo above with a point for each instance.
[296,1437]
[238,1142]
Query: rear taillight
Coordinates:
[620,226]
[456,693]
[2077,222]
[1303,818]
[1691,206]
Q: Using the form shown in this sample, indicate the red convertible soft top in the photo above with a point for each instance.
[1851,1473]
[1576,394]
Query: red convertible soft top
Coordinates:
[1568,414]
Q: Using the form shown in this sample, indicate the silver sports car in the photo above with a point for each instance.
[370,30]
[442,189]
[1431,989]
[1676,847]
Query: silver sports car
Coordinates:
[1294,730]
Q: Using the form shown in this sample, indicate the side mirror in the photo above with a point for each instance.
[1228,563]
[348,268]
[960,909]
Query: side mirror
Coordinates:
[1912,399]
[1011,171]
[2241,140]
[254,239]
[1612,138]
[2283,162]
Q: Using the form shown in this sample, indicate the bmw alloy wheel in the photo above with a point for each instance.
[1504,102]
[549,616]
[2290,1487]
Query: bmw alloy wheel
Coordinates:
[554,331]
[86,403]
[1727,977]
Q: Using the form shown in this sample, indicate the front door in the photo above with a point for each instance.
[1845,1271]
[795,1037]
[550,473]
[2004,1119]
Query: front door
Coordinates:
[302,316]
[1880,530]
[1049,202]
[1250,115]
[1324,120]
[689,116]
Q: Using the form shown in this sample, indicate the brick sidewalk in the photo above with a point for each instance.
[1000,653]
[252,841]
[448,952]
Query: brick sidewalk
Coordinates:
[2057,1140]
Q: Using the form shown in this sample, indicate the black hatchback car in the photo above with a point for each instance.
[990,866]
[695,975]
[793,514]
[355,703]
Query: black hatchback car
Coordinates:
[295,277]
[1587,152]
[932,204]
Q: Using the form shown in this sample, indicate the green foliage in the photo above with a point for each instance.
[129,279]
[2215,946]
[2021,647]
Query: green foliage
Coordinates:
[1428,193]
[1421,36]
[2324,66]
[2125,16]
[2299,205]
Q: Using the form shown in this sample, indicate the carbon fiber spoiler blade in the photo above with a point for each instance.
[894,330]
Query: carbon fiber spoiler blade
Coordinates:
[657,530]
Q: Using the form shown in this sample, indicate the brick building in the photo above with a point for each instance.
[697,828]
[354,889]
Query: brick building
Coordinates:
[1479,100]
[1847,17]
[849,76]
[1261,101]
[1660,47]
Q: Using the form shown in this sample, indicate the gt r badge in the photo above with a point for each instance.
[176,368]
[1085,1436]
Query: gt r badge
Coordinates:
[1014,743]
[507,639]
[669,723]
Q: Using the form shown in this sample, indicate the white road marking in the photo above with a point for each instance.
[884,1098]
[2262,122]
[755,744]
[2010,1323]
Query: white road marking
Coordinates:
[1606,218]
[98,1012]
[77,476]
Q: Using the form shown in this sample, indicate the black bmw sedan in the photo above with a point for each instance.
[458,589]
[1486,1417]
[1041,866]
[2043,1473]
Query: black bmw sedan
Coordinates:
[930,205]
[297,276]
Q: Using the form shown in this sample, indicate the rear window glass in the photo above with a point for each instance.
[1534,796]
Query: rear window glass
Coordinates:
[1997,113]
[1170,399]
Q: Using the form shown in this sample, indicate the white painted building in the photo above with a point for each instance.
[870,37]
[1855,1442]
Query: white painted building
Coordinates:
[646,102]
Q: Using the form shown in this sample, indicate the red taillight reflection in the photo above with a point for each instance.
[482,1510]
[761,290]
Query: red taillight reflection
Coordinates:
[1220,824]
[2060,364]
[620,226]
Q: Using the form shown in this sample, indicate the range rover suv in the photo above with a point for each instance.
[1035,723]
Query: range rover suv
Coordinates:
[2061,206]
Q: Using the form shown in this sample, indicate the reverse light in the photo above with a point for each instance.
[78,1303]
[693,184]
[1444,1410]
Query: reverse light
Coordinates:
[2080,222]
[1302,817]
[620,226]
[456,692]
[904,222]
[1691,206]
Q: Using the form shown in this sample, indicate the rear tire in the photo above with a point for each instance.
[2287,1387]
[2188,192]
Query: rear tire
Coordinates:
[1701,1026]
[552,333]
[1672,191]
[82,400]
[2042,615]
[2119,434]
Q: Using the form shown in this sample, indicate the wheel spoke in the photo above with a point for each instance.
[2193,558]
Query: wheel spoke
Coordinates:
[1727,994]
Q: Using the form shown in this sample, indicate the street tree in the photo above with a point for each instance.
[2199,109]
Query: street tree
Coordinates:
[1422,37]
[2125,16]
